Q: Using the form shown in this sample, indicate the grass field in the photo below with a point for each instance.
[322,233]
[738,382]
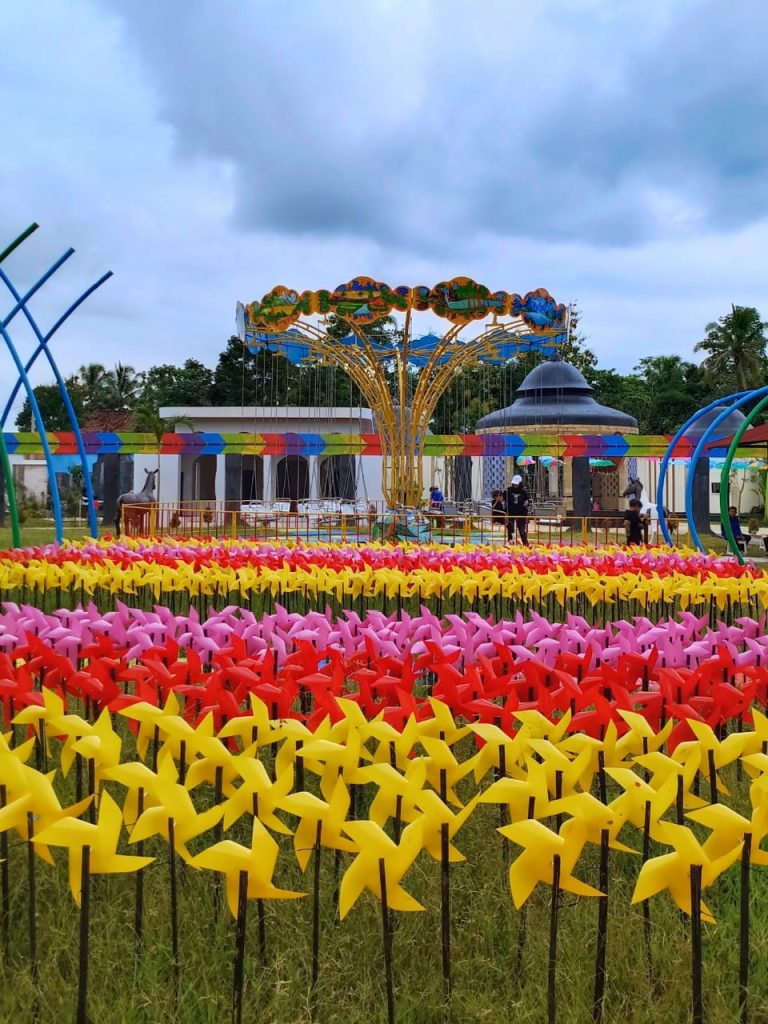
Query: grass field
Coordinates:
[493,982]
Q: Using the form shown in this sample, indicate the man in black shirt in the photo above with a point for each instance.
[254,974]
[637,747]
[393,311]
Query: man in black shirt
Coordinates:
[633,522]
[518,502]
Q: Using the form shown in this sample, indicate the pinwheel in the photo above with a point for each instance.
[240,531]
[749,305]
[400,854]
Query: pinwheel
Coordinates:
[730,829]
[320,824]
[379,867]
[248,871]
[685,873]
[173,816]
[92,850]
[397,795]
[547,857]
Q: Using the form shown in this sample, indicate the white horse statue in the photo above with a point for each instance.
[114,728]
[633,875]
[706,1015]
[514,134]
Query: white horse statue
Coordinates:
[144,497]
[634,489]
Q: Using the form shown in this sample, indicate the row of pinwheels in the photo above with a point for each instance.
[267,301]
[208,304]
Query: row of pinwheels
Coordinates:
[202,553]
[549,581]
[302,665]
[682,641]
[383,796]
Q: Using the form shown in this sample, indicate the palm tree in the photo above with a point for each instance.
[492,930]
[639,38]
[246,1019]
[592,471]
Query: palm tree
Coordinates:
[736,349]
[123,385]
[148,420]
[92,381]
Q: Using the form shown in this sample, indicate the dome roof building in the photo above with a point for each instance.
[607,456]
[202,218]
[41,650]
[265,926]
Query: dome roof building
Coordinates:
[555,398]
[555,394]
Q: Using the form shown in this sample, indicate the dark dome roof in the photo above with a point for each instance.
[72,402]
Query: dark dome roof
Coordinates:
[555,392]
[728,426]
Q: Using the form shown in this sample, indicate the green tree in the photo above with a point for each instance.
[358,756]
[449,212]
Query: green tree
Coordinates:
[122,387]
[93,380]
[673,391]
[735,347]
[168,384]
[52,407]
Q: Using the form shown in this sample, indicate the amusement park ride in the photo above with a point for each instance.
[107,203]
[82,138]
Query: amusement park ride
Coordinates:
[295,325]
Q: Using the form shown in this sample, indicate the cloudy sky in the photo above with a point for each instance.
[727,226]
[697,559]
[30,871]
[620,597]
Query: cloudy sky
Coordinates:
[613,152]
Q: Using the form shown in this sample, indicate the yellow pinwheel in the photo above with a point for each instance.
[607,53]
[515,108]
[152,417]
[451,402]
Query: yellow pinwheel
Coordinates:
[536,863]
[101,746]
[258,861]
[672,871]
[258,795]
[319,822]
[102,838]
[377,853]
[437,817]
[173,812]
[498,748]
[443,770]
[397,794]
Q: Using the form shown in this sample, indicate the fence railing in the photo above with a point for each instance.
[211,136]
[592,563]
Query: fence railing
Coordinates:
[347,523]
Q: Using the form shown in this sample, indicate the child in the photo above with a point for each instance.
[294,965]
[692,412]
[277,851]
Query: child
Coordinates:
[633,522]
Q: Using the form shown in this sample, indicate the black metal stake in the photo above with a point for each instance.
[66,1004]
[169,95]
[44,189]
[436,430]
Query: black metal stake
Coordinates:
[387,936]
[698,1003]
[5,882]
[32,883]
[138,913]
[647,903]
[85,913]
[316,911]
[712,777]
[174,903]
[237,978]
[552,965]
[598,1005]
[746,856]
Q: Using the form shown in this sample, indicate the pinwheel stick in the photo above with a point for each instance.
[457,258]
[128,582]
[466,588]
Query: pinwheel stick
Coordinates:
[387,937]
[445,907]
[602,931]
[316,910]
[552,965]
[85,913]
[32,882]
[262,931]
[174,902]
[5,882]
[237,979]
[698,1004]
[746,855]
[138,914]
[647,903]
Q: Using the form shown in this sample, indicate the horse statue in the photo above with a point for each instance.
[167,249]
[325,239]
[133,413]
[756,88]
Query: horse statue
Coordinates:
[634,489]
[144,497]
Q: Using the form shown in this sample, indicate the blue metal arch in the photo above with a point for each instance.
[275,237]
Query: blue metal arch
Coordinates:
[43,347]
[55,497]
[668,455]
[698,450]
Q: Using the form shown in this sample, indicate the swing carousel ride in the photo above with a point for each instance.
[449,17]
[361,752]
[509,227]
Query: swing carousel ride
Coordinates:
[401,374]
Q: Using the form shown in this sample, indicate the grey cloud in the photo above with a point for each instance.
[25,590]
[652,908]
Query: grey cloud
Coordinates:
[350,118]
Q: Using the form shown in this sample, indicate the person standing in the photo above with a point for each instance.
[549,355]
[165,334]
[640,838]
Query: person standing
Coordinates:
[633,522]
[518,505]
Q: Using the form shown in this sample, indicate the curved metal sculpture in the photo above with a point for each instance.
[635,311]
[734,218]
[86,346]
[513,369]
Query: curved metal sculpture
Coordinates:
[382,371]
[728,404]
[43,339]
[668,455]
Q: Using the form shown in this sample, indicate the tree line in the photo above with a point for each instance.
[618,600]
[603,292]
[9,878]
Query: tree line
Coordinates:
[661,391]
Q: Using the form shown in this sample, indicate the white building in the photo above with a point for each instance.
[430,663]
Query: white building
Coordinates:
[236,477]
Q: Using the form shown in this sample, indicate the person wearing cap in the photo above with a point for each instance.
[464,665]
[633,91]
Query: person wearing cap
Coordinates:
[518,504]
